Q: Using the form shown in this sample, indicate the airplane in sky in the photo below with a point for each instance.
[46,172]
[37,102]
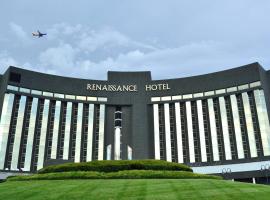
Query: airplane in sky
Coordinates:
[38,34]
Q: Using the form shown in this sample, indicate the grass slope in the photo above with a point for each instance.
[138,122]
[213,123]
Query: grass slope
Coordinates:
[133,189]
[126,174]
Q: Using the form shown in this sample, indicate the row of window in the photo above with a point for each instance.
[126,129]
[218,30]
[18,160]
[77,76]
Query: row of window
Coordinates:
[223,128]
[208,93]
[56,95]
[34,130]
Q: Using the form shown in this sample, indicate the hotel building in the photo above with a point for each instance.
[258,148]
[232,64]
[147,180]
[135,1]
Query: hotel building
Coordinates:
[217,123]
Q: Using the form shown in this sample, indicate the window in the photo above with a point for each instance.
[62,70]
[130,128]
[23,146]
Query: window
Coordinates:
[155,99]
[70,96]
[232,89]
[162,132]
[255,84]
[187,96]
[25,90]
[198,94]
[243,87]
[103,99]
[15,77]
[14,88]
[59,95]
[91,98]
[167,98]
[83,98]
[37,92]
[209,93]
[177,97]
[48,94]
[221,91]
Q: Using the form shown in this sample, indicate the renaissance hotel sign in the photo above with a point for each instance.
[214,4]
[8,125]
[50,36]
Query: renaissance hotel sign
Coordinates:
[126,88]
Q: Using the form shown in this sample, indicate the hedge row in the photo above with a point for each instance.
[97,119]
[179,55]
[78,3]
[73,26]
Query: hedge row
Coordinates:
[116,165]
[127,174]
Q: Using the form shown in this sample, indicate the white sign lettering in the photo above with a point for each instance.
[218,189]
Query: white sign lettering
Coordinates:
[112,88]
[161,86]
[126,88]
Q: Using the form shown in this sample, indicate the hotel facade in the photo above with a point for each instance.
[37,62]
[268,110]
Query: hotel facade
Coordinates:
[216,123]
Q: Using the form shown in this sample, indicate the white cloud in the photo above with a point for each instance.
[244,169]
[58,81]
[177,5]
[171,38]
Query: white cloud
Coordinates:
[172,39]
[76,45]
[19,32]
[6,60]
[59,58]
[85,52]
[62,30]
[91,40]
[186,60]
[100,39]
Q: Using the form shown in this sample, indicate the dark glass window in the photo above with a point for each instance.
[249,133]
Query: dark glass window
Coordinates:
[62,130]
[173,133]
[162,132]
[208,142]
[117,123]
[25,132]
[195,127]
[118,116]
[243,125]
[37,134]
[12,131]
[15,77]
[84,132]
[96,132]
[50,130]
[184,132]
[231,127]
[219,129]
[255,123]
[73,131]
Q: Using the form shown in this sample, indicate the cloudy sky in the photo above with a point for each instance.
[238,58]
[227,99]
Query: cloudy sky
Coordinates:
[172,38]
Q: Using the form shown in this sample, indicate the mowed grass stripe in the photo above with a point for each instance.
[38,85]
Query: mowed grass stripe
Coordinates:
[133,189]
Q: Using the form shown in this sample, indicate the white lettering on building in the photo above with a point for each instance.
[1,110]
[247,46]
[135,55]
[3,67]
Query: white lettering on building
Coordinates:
[125,88]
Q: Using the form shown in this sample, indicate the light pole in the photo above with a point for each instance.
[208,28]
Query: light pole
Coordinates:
[265,168]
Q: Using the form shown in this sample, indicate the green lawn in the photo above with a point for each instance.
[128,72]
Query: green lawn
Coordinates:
[133,189]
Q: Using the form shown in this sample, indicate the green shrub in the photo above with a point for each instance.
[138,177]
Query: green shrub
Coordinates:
[116,165]
[126,174]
